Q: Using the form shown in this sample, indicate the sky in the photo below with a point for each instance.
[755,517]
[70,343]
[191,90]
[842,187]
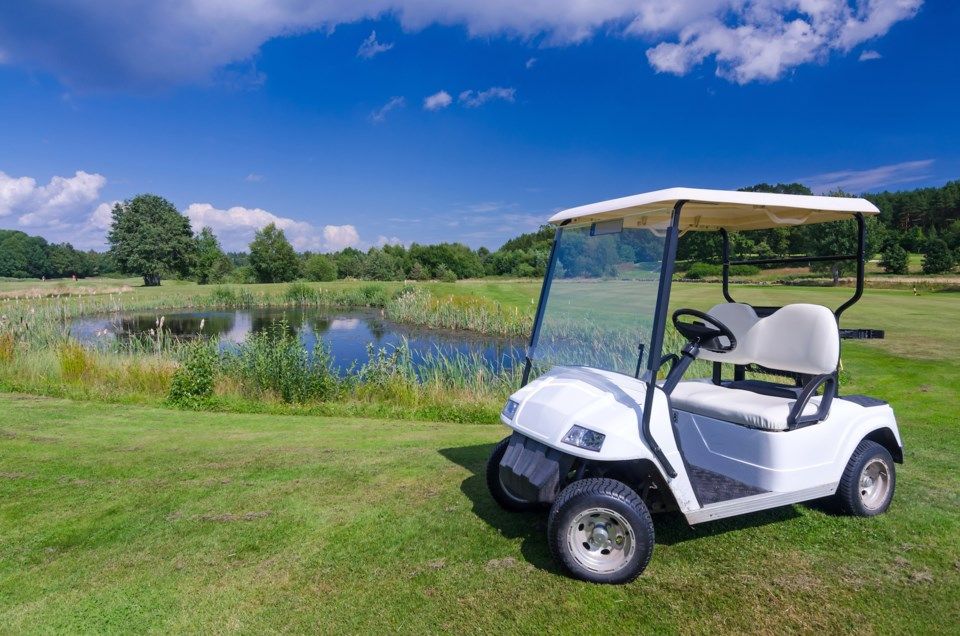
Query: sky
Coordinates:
[395,121]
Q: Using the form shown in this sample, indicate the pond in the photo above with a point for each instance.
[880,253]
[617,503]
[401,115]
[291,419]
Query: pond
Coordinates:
[347,333]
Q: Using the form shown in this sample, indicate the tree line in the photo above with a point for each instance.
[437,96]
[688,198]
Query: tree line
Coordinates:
[149,237]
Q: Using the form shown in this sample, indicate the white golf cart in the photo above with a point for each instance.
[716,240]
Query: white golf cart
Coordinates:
[599,437]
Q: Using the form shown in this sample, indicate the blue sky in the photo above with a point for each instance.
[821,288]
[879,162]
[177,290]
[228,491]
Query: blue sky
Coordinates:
[313,115]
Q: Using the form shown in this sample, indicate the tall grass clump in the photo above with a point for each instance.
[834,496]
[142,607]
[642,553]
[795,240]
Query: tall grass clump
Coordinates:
[417,305]
[76,361]
[193,382]
[8,345]
[275,363]
[300,294]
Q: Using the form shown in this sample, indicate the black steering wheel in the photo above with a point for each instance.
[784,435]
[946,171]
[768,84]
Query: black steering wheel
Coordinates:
[705,331]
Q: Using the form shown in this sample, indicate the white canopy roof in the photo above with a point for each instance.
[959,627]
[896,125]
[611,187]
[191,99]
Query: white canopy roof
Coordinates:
[715,209]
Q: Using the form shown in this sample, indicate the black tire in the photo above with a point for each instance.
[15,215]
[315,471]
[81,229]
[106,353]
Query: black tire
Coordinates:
[506,499]
[578,499]
[860,499]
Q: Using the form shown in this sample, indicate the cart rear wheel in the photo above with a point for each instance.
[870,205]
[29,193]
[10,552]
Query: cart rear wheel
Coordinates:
[867,486]
[601,531]
[500,493]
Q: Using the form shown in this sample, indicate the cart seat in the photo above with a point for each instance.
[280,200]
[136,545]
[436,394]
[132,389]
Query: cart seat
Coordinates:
[747,408]
[799,338]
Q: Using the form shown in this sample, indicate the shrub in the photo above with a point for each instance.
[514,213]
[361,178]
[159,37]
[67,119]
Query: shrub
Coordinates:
[697,271]
[937,258]
[300,294]
[895,259]
[274,361]
[320,268]
[225,296]
[446,274]
[192,384]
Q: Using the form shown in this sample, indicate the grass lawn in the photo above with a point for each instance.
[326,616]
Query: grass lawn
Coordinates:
[118,518]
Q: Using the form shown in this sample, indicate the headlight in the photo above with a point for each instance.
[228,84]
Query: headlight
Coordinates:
[584,438]
[510,409]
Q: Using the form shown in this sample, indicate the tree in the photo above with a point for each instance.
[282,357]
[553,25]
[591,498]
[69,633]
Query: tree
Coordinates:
[272,257]
[381,265]
[320,267]
[895,260]
[150,238]
[937,258]
[211,265]
[349,262]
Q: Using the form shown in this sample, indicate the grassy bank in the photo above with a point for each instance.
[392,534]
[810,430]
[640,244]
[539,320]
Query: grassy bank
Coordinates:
[118,519]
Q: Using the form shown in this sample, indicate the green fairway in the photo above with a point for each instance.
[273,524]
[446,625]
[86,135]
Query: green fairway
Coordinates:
[116,518]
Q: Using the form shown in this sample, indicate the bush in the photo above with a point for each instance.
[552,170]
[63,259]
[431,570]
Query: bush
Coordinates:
[937,258]
[446,274]
[192,383]
[300,294]
[895,260]
[274,361]
[697,271]
[320,268]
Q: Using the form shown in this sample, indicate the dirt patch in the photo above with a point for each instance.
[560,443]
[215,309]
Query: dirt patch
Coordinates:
[7,435]
[437,564]
[501,564]
[12,475]
[229,517]
[921,576]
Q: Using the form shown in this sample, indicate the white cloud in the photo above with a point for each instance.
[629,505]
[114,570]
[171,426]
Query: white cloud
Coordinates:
[236,226]
[388,240]
[473,99]
[858,181]
[866,56]
[380,115]
[149,44]
[766,38]
[370,47]
[62,210]
[253,177]
[437,101]
[531,63]
[337,237]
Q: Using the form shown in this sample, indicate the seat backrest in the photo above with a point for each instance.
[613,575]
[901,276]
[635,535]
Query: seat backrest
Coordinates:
[801,338]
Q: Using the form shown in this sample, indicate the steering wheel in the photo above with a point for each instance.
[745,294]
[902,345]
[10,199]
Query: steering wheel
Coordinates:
[705,331]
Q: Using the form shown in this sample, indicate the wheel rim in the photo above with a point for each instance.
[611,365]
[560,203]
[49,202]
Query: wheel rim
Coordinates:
[601,540]
[874,484]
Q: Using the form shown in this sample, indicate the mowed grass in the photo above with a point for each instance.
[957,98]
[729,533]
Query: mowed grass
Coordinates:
[119,518]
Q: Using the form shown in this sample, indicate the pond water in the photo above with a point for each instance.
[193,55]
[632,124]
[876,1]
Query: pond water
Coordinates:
[347,333]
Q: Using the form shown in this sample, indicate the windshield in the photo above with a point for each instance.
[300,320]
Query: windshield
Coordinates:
[601,299]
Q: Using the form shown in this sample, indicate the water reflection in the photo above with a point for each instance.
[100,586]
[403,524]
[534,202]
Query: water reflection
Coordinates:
[346,333]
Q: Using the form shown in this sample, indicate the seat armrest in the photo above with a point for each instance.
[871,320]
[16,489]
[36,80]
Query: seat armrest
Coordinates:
[796,418]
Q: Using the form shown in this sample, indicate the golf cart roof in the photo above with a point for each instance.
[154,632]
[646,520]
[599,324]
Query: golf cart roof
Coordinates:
[710,210]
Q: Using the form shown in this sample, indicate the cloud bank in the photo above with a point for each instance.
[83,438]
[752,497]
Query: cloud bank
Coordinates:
[146,44]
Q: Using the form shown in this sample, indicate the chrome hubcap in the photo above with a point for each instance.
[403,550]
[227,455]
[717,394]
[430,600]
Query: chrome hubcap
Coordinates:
[601,540]
[874,484]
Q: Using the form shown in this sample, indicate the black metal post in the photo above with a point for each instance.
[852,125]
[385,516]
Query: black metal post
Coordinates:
[726,265]
[861,265]
[657,334]
[541,306]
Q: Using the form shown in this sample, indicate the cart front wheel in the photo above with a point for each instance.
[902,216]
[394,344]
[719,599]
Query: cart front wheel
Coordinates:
[601,531]
[866,488]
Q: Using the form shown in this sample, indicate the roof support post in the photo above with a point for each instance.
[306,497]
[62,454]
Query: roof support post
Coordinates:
[861,264]
[541,306]
[726,265]
[657,334]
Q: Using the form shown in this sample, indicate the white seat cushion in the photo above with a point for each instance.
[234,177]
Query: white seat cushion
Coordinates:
[747,408]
